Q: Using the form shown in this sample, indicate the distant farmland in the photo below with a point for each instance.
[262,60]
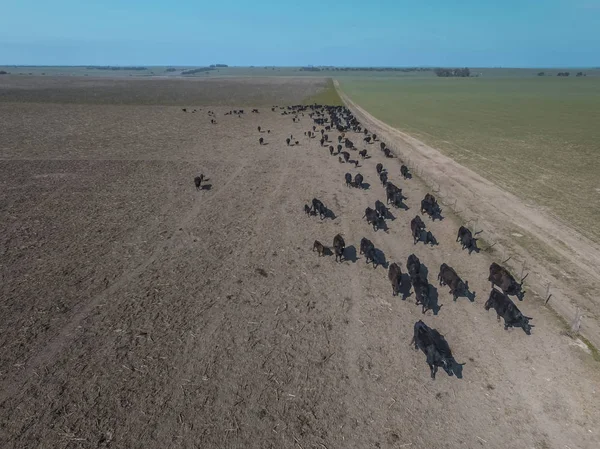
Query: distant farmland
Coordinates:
[537,137]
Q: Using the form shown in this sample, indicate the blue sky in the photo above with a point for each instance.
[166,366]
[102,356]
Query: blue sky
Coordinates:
[508,33]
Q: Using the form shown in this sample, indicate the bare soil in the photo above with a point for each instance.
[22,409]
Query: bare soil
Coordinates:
[139,312]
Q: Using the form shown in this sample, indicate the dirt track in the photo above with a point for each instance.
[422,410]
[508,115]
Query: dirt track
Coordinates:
[137,312]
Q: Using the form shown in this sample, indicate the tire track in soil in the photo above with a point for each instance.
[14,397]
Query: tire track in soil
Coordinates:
[68,332]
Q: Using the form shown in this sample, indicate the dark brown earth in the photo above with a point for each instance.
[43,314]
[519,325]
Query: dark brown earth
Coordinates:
[138,312]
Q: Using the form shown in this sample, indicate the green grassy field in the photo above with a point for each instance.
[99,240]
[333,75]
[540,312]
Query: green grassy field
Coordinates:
[328,95]
[537,137]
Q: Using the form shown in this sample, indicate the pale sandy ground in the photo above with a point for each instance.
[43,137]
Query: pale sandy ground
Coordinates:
[138,312]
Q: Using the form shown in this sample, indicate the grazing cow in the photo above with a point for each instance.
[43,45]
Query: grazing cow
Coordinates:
[322,131]
[331,150]
[387,152]
[448,276]
[507,309]
[198,181]
[261,141]
[326,137]
[382,146]
[393,194]
[435,347]
[184,109]
[339,148]
[363,153]
[268,131]
[422,293]
[404,171]
[287,141]
[395,277]
[417,227]
[367,139]
[341,161]
[374,137]
[339,245]
[255,111]
[348,177]
[339,139]
[373,218]
[296,143]
[413,265]
[358,180]
[382,211]
[319,247]
[379,168]
[501,277]
[430,206]
[307,209]
[259,129]
[383,178]
[466,239]
[319,208]
[346,155]
[322,141]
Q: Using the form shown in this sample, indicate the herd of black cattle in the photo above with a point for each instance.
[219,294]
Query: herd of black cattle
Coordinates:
[429,340]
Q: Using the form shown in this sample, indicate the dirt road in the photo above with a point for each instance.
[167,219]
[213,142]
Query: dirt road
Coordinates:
[138,312]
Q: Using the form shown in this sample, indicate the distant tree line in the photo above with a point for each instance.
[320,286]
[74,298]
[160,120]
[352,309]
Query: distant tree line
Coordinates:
[171,69]
[2,72]
[115,68]
[563,74]
[218,65]
[446,73]
[198,70]
[365,69]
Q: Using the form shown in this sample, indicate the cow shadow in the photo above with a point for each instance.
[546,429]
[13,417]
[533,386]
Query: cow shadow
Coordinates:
[380,258]
[424,271]
[330,214]
[350,254]
[474,248]
[457,368]
[434,300]
[327,251]
[206,187]
[365,186]
[402,205]
[389,215]
[405,286]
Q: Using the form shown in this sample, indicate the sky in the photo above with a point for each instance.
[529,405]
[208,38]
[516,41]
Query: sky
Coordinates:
[473,33]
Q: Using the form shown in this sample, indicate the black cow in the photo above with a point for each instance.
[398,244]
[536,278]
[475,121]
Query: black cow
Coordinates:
[430,206]
[368,249]
[367,139]
[331,150]
[382,146]
[383,178]
[404,171]
[346,155]
[261,141]
[382,211]
[319,247]
[340,160]
[358,180]
[322,141]
[379,168]
[287,141]
[501,277]
[448,276]
[393,194]
[413,265]
[348,177]
[374,137]
[507,309]
[395,277]
[307,209]
[373,218]
[198,181]
[339,245]
[319,208]
[422,293]
[387,152]
[363,153]
[417,227]
[466,239]
[258,128]
[435,347]
[339,148]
